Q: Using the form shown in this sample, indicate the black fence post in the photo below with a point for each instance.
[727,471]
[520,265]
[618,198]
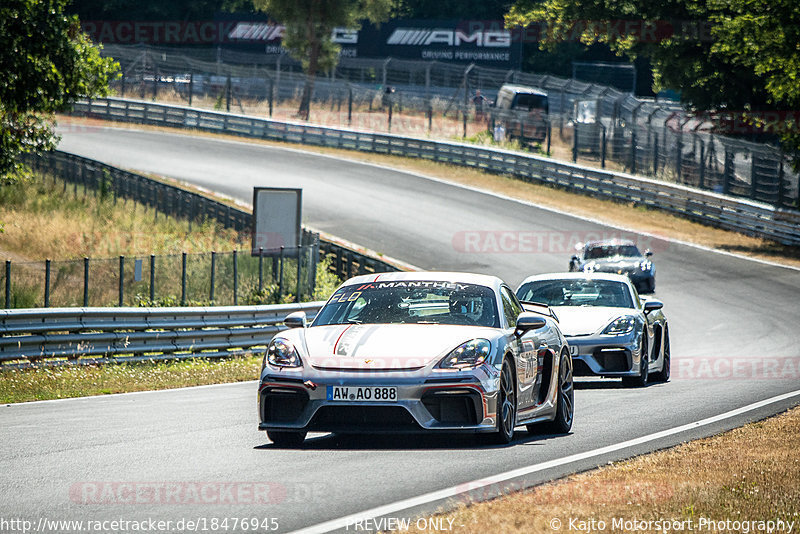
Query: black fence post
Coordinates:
[235,278]
[152,278]
[121,280]
[85,281]
[575,143]
[549,134]
[602,148]
[349,105]
[270,95]
[183,279]
[47,283]
[299,273]
[228,94]
[280,276]
[430,116]
[655,153]
[213,275]
[260,269]
[8,284]
[191,87]
[726,173]
[633,152]
[464,123]
[702,181]
[390,115]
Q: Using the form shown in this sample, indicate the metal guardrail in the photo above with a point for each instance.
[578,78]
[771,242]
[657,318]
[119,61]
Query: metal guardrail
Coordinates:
[718,210]
[59,336]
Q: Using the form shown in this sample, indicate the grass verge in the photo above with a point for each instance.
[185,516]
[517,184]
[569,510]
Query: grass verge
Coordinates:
[627,215]
[24,385]
[751,473]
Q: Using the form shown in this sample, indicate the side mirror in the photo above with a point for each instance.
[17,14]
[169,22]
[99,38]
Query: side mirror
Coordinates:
[648,253]
[295,320]
[529,321]
[575,259]
[652,305]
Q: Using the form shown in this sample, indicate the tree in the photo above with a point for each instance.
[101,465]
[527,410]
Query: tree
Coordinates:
[309,27]
[46,63]
[721,55]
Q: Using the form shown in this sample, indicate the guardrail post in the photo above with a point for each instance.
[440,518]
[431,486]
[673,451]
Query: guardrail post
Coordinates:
[213,275]
[8,284]
[183,279]
[85,281]
[235,278]
[260,269]
[152,278]
[121,280]
[47,283]
[280,276]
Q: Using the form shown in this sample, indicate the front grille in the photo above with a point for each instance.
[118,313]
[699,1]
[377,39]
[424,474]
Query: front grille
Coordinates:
[456,407]
[362,419]
[613,360]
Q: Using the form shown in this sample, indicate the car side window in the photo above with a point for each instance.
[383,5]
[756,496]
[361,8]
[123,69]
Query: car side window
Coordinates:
[511,308]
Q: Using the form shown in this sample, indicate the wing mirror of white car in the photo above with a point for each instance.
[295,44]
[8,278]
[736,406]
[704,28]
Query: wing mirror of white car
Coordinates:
[296,320]
[648,253]
[652,305]
[528,321]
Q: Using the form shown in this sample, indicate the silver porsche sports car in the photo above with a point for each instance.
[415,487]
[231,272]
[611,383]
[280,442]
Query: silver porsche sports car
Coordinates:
[417,352]
[612,331]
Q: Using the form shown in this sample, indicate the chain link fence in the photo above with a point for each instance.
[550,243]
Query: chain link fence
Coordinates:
[440,100]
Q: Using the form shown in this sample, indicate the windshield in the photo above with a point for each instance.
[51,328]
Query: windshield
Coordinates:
[607,251]
[409,301]
[577,293]
[530,102]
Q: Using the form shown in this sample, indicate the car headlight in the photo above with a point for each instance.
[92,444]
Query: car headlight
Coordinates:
[620,326]
[469,354]
[281,353]
[646,265]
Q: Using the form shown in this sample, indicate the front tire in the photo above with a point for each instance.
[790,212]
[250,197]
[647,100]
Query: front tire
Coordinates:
[565,400]
[664,374]
[286,439]
[644,368]
[506,406]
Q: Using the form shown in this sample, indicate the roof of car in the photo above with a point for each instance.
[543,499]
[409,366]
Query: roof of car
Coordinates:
[523,89]
[610,242]
[613,277]
[466,278]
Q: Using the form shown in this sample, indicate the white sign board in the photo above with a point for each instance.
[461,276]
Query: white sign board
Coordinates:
[277,219]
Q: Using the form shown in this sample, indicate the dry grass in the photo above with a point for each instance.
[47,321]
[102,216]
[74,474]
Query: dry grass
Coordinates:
[632,217]
[41,220]
[80,381]
[750,473]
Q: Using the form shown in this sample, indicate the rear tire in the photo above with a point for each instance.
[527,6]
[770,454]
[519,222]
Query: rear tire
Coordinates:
[644,368]
[664,374]
[565,401]
[286,439]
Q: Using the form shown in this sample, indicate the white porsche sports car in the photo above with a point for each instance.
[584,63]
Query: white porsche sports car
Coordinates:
[411,351]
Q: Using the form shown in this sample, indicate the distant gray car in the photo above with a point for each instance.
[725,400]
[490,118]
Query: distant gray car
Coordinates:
[424,352]
[611,330]
[620,256]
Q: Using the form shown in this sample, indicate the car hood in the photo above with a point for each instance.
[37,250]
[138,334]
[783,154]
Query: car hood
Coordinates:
[617,264]
[586,320]
[390,346]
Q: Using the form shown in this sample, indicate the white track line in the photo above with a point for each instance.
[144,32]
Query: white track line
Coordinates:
[428,498]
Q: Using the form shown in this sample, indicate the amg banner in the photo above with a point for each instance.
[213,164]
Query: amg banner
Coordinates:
[482,42]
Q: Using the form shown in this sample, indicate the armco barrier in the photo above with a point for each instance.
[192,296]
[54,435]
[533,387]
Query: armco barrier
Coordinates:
[751,218]
[106,335]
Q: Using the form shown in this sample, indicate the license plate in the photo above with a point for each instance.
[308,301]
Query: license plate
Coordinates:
[362,393]
[573,350]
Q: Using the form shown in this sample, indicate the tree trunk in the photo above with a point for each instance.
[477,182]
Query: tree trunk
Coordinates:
[308,88]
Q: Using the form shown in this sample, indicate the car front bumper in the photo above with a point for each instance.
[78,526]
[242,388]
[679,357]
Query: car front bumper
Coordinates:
[608,356]
[438,401]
